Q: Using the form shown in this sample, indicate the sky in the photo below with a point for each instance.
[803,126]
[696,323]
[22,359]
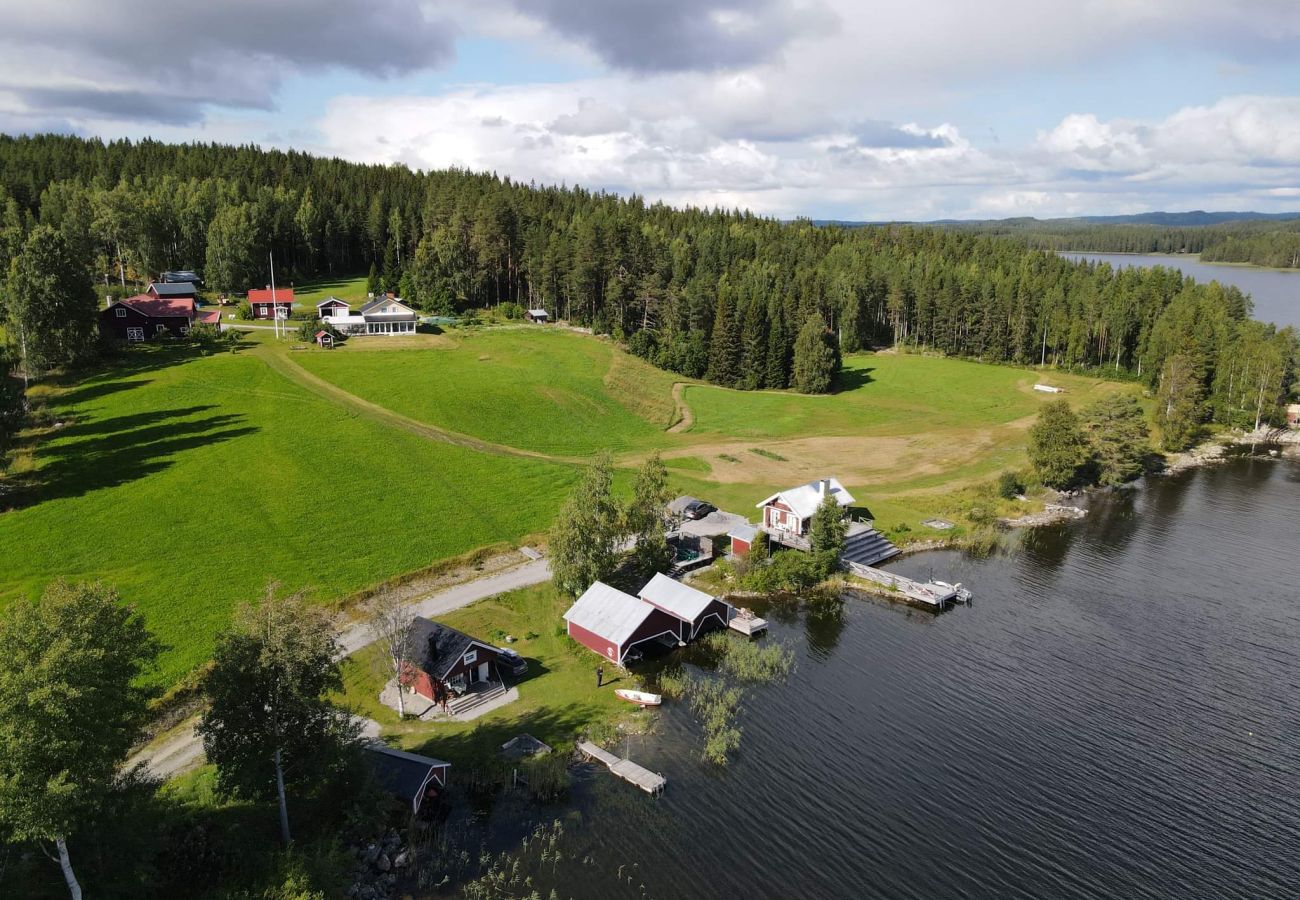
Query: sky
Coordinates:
[832,109]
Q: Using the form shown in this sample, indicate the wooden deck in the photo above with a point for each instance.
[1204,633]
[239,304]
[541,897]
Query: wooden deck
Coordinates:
[927,593]
[629,771]
[747,623]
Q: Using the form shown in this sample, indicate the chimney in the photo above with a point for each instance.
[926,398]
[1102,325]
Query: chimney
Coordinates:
[108,300]
[268,287]
[824,487]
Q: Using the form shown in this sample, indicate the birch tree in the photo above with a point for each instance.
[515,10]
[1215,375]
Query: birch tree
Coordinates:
[388,620]
[70,710]
[269,723]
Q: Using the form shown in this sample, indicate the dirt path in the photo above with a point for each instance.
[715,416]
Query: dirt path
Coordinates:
[685,418]
[184,750]
[284,365]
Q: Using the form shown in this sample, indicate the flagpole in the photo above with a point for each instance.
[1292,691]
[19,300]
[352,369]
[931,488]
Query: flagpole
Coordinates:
[275,310]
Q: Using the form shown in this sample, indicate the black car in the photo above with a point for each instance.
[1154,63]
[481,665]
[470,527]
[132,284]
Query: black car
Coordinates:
[512,662]
[699,510]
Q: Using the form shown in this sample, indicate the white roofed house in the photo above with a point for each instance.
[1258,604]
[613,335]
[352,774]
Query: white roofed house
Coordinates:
[378,315]
[788,512]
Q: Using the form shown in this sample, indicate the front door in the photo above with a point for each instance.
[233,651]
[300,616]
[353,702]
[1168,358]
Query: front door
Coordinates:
[483,671]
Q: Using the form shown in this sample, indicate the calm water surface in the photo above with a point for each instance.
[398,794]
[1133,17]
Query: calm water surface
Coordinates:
[1115,716]
[1276,292]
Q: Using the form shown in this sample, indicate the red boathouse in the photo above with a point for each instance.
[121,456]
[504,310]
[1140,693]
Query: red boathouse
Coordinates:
[609,622]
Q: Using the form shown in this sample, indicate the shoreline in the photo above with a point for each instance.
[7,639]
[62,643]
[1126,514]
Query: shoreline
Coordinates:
[1195,256]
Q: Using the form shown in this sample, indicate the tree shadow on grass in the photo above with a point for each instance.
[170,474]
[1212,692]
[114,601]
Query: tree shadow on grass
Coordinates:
[114,452]
[852,379]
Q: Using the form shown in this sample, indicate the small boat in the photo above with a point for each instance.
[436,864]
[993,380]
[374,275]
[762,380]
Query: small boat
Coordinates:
[640,698]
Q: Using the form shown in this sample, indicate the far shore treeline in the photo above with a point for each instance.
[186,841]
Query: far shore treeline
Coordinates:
[728,296]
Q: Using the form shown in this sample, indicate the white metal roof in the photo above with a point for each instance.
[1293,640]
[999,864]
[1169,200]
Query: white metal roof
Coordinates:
[346,319]
[681,600]
[609,612]
[537,312]
[805,498]
[744,532]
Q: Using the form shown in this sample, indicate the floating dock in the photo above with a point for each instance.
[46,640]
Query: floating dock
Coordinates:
[747,623]
[937,594]
[629,771]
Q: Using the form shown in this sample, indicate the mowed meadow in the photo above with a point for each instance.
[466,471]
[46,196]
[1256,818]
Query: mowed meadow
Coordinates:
[189,482]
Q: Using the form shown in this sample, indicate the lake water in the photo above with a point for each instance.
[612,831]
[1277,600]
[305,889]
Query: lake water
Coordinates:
[1276,292]
[1115,715]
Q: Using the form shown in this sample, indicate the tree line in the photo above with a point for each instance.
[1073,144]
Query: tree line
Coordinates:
[1260,242]
[745,301]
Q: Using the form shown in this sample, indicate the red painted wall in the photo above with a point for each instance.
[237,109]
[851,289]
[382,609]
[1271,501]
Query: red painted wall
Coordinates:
[594,642]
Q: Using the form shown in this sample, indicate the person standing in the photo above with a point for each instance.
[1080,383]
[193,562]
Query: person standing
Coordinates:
[600,675]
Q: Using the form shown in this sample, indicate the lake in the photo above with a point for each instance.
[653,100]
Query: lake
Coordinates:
[1276,292]
[1115,715]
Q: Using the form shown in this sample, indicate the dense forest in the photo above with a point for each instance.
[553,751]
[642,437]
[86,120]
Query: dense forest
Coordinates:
[1261,242]
[726,295]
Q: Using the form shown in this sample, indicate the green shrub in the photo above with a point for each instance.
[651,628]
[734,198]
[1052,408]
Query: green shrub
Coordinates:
[511,310]
[1010,486]
[244,312]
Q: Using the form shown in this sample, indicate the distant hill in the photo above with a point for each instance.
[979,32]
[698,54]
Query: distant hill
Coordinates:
[1192,218]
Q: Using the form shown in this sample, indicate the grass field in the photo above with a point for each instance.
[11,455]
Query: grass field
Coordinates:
[188,482]
[536,389]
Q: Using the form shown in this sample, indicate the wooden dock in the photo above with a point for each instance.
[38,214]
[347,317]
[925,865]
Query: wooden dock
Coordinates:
[934,594]
[629,771]
[747,623]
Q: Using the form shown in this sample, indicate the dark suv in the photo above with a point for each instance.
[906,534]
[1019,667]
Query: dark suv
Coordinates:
[512,662]
[699,510]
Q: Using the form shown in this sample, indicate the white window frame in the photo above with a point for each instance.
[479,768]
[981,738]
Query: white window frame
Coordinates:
[135,334]
[159,329]
[470,657]
[120,312]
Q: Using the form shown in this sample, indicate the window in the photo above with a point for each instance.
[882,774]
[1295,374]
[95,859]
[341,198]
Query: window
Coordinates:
[120,312]
[471,656]
[135,334]
[159,329]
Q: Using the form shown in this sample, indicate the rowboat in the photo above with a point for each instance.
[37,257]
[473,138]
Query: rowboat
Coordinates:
[640,698]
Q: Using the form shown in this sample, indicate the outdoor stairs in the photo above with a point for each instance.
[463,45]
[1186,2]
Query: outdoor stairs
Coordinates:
[867,548]
[475,698]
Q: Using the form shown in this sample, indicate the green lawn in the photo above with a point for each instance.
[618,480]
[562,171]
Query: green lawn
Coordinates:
[887,393]
[538,389]
[189,482]
[309,293]
[557,699]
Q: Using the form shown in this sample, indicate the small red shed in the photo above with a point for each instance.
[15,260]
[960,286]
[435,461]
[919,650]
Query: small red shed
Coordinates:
[325,339]
[410,777]
[742,539]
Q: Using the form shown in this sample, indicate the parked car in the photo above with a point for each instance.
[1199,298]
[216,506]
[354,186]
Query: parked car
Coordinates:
[699,510]
[512,662]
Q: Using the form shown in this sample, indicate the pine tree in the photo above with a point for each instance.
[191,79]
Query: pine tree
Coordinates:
[777,374]
[725,347]
[816,362]
[753,365]
[1180,401]
[1117,431]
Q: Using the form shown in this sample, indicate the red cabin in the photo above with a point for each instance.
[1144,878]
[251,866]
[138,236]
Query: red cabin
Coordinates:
[264,304]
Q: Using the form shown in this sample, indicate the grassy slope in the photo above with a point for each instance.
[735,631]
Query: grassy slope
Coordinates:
[189,482]
[537,389]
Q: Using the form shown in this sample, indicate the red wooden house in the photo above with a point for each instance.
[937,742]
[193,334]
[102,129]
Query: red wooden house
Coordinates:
[695,611]
[265,302]
[448,661]
[790,511]
[142,317]
[609,622]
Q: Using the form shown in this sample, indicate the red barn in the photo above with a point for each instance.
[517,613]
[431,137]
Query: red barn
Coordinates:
[142,317]
[695,611]
[609,622]
[264,303]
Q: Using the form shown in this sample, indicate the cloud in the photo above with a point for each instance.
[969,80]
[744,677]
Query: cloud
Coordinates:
[680,35]
[165,62]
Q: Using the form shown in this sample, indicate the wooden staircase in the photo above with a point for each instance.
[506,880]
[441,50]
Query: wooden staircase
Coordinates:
[867,547]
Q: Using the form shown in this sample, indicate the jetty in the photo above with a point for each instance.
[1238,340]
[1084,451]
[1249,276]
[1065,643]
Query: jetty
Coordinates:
[936,594]
[629,771]
[747,623]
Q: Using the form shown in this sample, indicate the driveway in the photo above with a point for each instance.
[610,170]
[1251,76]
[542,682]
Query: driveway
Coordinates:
[713,525]
[184,750]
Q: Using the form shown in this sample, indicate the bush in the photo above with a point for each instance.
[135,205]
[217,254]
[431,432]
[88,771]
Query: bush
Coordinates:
[511,310]
[1010,486]
[244,312]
